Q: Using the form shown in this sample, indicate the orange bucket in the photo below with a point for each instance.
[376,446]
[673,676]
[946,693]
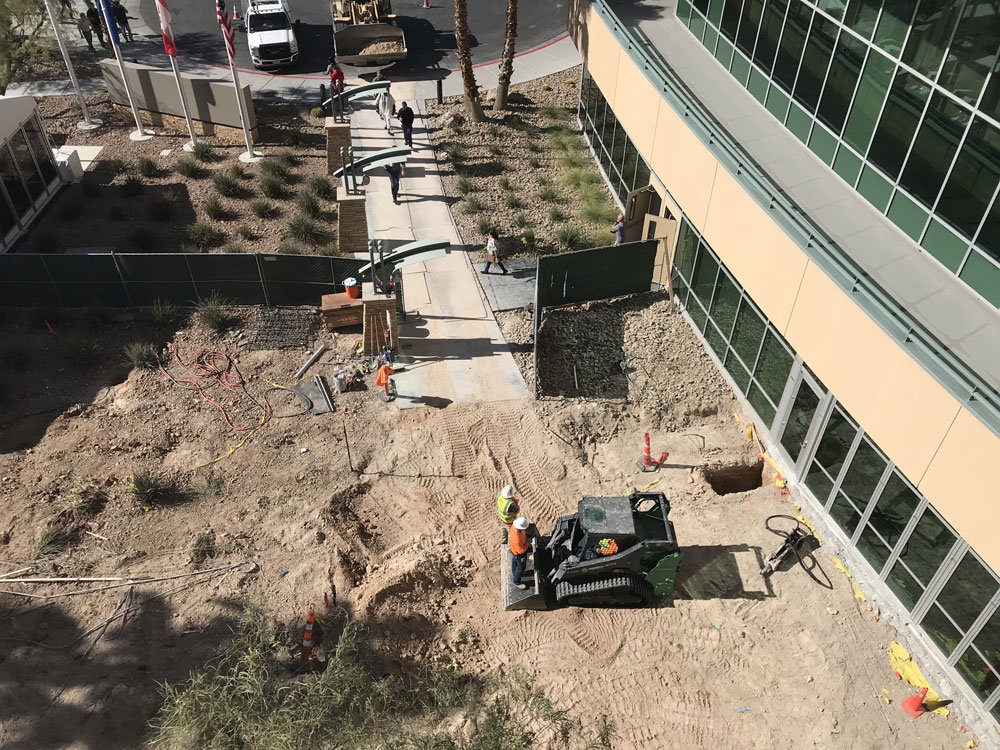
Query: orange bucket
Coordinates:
[353,288]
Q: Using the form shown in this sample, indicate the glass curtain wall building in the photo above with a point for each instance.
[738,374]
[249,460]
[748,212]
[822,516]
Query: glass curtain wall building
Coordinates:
[901,98]
[897,102]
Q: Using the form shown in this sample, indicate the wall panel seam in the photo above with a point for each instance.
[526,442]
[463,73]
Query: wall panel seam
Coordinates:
[944,437]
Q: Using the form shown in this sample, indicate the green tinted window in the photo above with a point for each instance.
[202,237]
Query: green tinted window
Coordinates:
[705,271]
[867,104]
[761,405]
[687,249]
[838,435]
[819,482]
[967,590]
[861,16]
[738,372]
[944,245]
[899,122]
[746,38]
[929,34]
[972,50]
[873,549]
[941,629]
[892,26]
[845,514]
[715,340]
[933,150]
[973,179]
[980,675]
[893,509]
[773,366]
[731,19]
[983,276]
[863,475]
[840,83]
[748,333]
[770,33]
[815,61]
[793,40]
[988,642]
[727,299]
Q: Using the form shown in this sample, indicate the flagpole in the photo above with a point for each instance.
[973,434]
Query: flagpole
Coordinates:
[109,21]
[187,115]
[250,155]
[88,122]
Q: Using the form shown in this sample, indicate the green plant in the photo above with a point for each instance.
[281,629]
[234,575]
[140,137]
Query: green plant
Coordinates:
[140,356]
[287,159]
[528,240]
[493,129]
[214,209]
[264,209]
[472,205]
[455,152]
[204,236]
[246,232]
[465,185]
[590,193]
[111,168]
[513,202]
[534,162]
[499,165]
[214,313]
[520,221]
[203,152]
[234,246]
[115,213]
[54,541]
[543,181]
[564,140]
[272,186]
[209,485]
[204,547]
[287,247]
[484,225]
[578,177]
[504,183]
[160,208]
[548,194]
[70,210]
[303,229]
[143,239]
[573,160]
[164,312]
[598,212]
[237,171]
[309,205]
[552,113]
[556,214]
[188,167]
[147,167]
[150,489]
[322,188]
[495,149]
[226,185]
[329,249]
[84,499]
[534,147]
[294,138]
[132,187]
[317,112]
[84,355]
[569,237]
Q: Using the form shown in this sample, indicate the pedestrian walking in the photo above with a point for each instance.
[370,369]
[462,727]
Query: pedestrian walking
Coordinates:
[618,229]
[66,7]
[121,20]
[385,105]
[493,252]
[405,116]
[83,24]
[95,23]
[395,172]
[519,546]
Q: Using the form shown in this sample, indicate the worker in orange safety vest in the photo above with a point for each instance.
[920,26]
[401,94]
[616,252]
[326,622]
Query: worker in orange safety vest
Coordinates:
[382,378]
[519,546]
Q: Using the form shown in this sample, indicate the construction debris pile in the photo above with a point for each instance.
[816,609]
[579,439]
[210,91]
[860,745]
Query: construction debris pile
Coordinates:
[382,48]
[636,348]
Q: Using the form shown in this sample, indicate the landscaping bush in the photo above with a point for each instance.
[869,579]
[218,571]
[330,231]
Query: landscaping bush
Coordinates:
[579,177]
[493,129]
[598,212]
[147,167]
[234,246]
[150,489]
[322,188]
[591,193]
[472,205]
[214,209]
[514,202]
[139,356]
[534,162]
[504,183]
[556,214]
[226,185]
[164,313]
[203,152]
[520,221]
[317,112]
[264,209]
[273,186]
[204,548]
[160,208]
[548,194]
[309,205]
[213,311]
[465,186]
[54,541]
[287,247]
[188,167]
[246,233]
[528,241]
[455,152]
[495,149]
[204,236]
[484,225]
[564,140]
[303,229]
[209,485]
[294,138]
[534,147]
[569,237]
[330,248]
[573,160]
[287,159]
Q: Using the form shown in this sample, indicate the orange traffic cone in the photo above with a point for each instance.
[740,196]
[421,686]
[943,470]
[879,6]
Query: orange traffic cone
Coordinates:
[914,705]
[646,464]
[427,3]
[307,640]
[237,18]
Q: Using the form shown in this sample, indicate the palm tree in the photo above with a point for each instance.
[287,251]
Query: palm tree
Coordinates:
[507,61]
[465,60]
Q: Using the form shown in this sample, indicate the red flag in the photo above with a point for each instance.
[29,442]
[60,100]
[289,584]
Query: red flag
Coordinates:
[168,35]
[227,27]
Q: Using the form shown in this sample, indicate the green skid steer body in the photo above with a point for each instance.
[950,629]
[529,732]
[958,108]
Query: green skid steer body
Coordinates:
[613,552]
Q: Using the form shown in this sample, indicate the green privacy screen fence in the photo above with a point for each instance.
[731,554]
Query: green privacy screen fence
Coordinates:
[136,280]
[598,273]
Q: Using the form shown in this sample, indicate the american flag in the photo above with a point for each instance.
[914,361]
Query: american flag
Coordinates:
[168,35]
[227,27]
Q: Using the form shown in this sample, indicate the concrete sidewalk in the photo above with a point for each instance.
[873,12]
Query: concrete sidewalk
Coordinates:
[452,343]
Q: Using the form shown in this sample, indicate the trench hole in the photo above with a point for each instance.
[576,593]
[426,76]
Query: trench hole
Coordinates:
[726,479]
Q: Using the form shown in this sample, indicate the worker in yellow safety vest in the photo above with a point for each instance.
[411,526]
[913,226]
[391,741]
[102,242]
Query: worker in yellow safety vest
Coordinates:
[508,509]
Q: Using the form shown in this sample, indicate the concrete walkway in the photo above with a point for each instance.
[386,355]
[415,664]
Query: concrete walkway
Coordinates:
[452,343]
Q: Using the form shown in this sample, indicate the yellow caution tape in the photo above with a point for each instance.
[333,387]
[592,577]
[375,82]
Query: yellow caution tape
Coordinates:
[859,594]
[840,566]
[884,697]
[902,663]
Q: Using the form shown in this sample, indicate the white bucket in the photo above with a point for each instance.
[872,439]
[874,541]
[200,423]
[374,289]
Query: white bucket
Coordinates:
[340,382]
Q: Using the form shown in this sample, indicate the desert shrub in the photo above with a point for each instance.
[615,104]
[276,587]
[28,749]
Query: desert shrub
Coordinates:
[273,167]
[534,146]
[188,167]
[579,177]
[553,114]
[203,152]
[569,237]
[147,167]
[573,160]
[204,236]
[132,187]
[590,193]
[465,186]
[272,186]
[237,171]
[484,225]
[520,221]
[308,205]
[598,212]
[493,130]
[204,547]
[160,208]
[322,188]
[287,247]
[234,246]
[264,209]
[330,248]
[534,162]
[528,241]
[246,232]
[150,489]
[548,194]
[514,202]
[140,356]
[317,112]
[294,138]
[143,239]
[226,185]
[455,152]
[504,183]
[214,208]
[472,205]
[209,485]
[213,311]
[556,214]
[303,229]
[495,149]
[54,541]
[564,140]
[287,159]
[163,312]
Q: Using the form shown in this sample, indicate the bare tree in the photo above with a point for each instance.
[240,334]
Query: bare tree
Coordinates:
[507,61]
[23,39]
[472,102]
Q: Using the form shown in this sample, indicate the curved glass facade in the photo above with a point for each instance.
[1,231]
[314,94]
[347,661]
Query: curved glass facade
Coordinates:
[900,98]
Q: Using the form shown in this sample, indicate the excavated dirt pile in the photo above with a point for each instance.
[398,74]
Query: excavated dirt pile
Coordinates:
[636,348]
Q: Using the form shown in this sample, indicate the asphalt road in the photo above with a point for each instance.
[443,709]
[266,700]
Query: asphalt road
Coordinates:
[430,33]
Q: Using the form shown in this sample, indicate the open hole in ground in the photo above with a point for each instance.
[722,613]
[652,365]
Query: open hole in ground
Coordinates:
[726,479]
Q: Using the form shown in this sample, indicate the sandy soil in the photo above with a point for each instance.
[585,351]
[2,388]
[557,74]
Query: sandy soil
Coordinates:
[402,530]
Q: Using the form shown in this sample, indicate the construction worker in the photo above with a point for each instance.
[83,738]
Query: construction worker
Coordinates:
[507,509]
[519,547]
[382,379]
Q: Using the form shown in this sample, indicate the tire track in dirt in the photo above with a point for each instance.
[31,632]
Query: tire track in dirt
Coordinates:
[596,633]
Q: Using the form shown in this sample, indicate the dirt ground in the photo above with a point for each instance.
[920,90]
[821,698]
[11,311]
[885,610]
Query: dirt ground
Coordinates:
[392,514]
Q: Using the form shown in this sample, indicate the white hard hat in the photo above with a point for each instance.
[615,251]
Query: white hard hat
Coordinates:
[521,523]
[508,491]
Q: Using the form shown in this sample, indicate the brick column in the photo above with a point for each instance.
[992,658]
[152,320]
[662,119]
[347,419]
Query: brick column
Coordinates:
[352,224]
[337,134]
[375,308]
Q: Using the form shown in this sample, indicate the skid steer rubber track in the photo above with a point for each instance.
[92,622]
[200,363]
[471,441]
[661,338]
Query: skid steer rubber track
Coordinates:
[614,591]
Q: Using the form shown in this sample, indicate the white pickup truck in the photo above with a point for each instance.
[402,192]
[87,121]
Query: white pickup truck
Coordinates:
[270,35]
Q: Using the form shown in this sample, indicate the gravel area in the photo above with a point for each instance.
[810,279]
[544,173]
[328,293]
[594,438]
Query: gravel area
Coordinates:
[115,207]
[517,328]
[669,374]
[526,172]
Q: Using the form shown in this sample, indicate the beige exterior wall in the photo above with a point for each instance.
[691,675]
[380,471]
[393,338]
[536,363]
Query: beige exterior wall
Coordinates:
[936,443]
